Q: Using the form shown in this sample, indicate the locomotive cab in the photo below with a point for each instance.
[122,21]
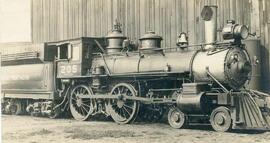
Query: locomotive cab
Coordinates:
[74,56]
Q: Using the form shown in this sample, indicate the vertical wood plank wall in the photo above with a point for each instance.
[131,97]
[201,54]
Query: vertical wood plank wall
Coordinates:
[62,19]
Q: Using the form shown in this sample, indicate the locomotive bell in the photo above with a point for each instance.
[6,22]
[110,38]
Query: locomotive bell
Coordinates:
[150,41]
[182,40]
[115,39]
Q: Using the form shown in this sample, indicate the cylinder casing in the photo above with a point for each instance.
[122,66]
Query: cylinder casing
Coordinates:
[191,104]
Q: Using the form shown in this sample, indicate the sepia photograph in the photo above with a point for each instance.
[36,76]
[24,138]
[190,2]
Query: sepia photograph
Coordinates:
[135,71]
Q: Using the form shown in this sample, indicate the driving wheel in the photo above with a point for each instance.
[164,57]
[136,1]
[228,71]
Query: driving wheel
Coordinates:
[81,108]
[122,109]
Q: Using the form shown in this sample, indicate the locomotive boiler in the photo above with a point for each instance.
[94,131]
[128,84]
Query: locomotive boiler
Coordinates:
[112,75]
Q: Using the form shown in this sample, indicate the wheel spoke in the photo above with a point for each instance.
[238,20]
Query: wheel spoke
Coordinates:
[86,105]
[122,89]
[113,103]
[126,91]
[84,92]
[84,109]
[123,113]
[126,110]
[81,90]
[118,90]
[77,108]
[128,106]
[117,110]
[86,101]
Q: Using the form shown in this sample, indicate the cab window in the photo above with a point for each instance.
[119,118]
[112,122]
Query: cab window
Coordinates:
[63,51]
[68,52]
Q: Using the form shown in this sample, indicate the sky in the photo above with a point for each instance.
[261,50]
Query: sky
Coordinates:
[15,21]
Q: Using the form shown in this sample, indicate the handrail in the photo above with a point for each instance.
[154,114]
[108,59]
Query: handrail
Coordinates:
[19,56]
[212,76]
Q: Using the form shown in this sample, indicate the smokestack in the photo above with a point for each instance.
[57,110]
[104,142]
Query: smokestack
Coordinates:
[209,15]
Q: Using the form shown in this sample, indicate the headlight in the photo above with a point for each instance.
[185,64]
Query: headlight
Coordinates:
[241,31]
[234,31]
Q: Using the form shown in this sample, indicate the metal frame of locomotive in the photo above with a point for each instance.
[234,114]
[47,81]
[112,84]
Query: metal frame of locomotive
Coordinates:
[88,76]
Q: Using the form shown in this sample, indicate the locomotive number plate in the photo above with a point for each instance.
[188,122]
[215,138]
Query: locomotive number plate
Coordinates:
[68,70]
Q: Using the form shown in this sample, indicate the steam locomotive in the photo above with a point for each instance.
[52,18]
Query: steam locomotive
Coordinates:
[112,75]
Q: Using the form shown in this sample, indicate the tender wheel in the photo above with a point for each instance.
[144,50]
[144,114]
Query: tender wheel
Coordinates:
[220,119]
[81,108]
[176,118]
[15,107]
[123,110]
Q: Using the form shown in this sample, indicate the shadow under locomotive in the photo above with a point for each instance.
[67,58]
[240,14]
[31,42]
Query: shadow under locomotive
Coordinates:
[117,77]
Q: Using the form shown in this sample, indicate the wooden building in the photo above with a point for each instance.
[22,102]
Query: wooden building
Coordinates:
[63,19]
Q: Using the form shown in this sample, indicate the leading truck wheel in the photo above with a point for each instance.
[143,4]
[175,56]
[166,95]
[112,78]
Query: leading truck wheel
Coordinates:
[176,118]
[220,119]
[81,108]
[123,110]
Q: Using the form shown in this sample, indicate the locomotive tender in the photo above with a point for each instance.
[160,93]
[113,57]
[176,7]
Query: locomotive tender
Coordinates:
[109,75]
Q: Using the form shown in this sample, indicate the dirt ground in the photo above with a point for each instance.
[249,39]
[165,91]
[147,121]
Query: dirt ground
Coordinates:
[26,129]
